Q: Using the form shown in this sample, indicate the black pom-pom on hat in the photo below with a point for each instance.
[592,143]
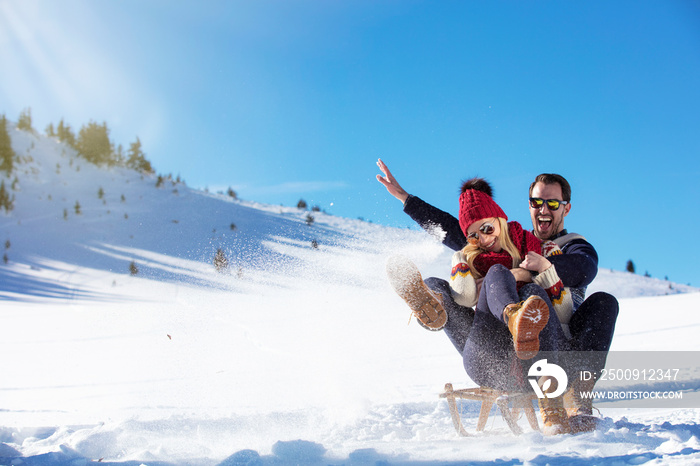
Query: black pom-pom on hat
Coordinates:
[479,184]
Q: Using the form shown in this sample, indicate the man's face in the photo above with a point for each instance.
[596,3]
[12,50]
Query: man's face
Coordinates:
[545,222]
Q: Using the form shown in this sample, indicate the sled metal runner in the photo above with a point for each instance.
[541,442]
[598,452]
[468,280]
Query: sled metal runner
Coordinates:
[488,396]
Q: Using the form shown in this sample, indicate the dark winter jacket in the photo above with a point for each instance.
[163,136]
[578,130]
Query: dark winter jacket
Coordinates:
[577,266]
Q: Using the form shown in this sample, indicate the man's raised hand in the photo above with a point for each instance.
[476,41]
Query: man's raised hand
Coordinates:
[390,182]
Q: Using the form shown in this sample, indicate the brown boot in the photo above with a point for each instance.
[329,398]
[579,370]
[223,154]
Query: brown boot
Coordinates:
[525,321]
[554,416]
[408,283]
[580,408]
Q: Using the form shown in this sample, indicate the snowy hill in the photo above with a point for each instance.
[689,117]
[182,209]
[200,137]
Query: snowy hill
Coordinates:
[298,352]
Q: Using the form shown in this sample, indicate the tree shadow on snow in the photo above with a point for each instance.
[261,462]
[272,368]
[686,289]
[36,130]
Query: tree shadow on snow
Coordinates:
[19,287]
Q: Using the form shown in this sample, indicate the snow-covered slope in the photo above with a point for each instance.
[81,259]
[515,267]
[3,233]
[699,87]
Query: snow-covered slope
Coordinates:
[298,352]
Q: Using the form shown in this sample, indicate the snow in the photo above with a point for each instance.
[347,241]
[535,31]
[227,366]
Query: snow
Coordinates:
[295,355]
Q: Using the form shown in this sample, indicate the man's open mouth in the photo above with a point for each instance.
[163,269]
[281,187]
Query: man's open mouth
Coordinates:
[544,221]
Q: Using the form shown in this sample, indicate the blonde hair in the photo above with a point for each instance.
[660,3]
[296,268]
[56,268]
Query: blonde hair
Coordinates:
[471,251]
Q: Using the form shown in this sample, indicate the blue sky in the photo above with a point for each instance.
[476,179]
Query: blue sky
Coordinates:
[289,100]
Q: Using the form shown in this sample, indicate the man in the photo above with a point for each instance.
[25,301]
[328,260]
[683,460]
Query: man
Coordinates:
[593,322]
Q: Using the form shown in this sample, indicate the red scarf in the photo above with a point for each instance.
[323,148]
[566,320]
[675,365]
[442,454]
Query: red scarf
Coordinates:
[523,240]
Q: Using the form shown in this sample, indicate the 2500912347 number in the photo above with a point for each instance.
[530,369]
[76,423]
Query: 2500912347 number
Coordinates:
[639,374]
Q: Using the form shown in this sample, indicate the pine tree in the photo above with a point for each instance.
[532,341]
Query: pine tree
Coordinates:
[630,266]
[50,132]
[65,134]
[94,144]
[136,159]
[220,261]
[7,154]
[6,200]
[25,120]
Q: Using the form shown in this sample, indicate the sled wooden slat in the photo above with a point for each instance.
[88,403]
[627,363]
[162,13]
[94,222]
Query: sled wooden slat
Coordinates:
[488,397]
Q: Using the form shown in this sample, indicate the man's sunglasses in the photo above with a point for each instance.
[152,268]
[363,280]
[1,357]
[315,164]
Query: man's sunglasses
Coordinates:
[552,204]
[487,229]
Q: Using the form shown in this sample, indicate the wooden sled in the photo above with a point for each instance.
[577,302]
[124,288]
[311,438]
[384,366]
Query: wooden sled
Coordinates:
[488,396]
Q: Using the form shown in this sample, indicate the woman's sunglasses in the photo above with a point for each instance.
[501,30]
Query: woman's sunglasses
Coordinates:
[552,204]
[487,229]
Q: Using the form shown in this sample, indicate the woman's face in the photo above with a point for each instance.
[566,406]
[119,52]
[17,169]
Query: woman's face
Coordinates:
[486,234]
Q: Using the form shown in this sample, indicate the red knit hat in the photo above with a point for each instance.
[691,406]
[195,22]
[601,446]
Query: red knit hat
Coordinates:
[476,203]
